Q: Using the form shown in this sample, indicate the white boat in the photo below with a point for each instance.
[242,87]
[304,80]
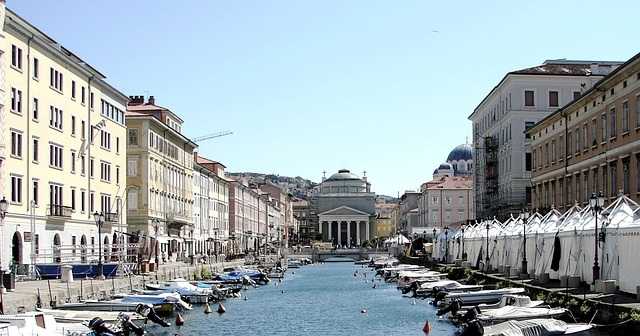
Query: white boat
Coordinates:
[163,303]
[37,324]
[481,296]
[79,316]
[538,327]
[510,300]
[498,315]
[187,290]
[449,286]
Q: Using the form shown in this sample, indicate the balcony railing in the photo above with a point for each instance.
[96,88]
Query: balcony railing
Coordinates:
[111,217]
[55,210]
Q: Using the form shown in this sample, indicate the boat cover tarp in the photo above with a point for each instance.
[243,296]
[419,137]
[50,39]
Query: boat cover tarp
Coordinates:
[534,327]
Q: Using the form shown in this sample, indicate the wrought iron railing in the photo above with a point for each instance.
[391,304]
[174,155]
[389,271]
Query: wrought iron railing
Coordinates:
[55,210]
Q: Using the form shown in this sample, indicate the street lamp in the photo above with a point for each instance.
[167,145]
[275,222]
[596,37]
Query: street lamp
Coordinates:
[99,218]
[486,260]
[4,207]
[596,202]
[446,244]
[524,216]
[156,228]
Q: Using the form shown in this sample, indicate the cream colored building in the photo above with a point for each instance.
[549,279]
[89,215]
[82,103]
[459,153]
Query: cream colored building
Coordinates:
[159,179]
[210,207]
[64,154]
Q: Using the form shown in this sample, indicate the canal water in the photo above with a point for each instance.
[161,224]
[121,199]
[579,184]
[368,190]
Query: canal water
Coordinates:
[321,299]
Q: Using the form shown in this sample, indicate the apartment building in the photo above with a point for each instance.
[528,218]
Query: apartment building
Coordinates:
[63,129]
[445,202]
[502,154]
[159,178]
[590,145]
[243,217]
[210,207]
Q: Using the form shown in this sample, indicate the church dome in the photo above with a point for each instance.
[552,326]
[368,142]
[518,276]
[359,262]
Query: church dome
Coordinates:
[462,152]
[342,175]
[445,166]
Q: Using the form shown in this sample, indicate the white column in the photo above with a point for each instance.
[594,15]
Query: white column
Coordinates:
[329,230]
[358,232]
[348,233]
[367,228]
[320,227]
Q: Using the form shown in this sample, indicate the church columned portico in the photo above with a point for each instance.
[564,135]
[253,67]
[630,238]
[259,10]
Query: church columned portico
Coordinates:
[345,226]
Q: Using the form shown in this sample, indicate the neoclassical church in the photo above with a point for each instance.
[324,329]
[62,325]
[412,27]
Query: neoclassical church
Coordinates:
[459,163]
[346,208]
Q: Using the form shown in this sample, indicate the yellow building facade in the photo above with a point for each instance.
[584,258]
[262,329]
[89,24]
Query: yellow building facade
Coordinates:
[64,156]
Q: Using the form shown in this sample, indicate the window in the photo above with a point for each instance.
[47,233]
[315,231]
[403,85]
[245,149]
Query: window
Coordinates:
[585,134]
[625,176]
[553,99]
[36,68]
[82,130]
[527,161]
[612,122]
[117,144]
[594,131]
[91,167]
[73,200]
[92,202]
[625,116]
[73,162]
[105,139]
[73,89]
[603,127]
[82,165]
[576,95]
[613,179]
[55,118]
[117,175]
[55,156]
[91,100]
[55,194]
[133,136]
[83,95]
[105,203]
[529,98]
[105,171]
[132,199]
[35,191]
[36,142]
[16,144]
[35,109]
[16,189]
[73,125]
[16,100]
[83,196]
[55,79]
[577,134]
[16,57]
[132,167]
[36,238]
[111,112]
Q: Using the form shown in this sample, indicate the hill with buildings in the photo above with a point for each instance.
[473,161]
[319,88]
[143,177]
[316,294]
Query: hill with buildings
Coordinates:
[297,186]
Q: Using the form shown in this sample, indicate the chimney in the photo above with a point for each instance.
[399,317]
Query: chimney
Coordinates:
[135,100]
[152,100]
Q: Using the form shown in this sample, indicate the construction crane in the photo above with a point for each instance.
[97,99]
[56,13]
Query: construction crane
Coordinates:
[211,136]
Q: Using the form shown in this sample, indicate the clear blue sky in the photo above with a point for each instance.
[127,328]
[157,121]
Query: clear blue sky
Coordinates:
[308,86]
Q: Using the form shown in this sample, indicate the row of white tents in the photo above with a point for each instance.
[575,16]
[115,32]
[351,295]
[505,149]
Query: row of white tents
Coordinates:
[558,244]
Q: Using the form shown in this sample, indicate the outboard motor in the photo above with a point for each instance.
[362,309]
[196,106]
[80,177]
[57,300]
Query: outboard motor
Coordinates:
[128,327]
[471,314]
[150,313]
[454,307]
[439,297]
[473,328]
[100,328]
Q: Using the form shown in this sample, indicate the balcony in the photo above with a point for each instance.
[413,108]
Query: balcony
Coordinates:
[111,217]
[59,211]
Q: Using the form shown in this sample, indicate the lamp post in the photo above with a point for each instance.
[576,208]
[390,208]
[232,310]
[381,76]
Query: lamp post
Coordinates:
[596,202]
[524,216]
[486,260]
[156,228]
[99,218]
[446,244]
[433,244]
[4,207]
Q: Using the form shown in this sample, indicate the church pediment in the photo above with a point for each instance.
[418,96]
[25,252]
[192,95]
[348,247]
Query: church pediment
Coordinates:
[344,211]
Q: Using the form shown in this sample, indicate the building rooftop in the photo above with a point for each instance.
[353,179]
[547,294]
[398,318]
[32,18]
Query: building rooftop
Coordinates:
[343,174]
[450,182]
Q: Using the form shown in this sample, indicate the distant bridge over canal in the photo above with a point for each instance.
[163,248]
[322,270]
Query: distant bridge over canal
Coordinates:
[352,254]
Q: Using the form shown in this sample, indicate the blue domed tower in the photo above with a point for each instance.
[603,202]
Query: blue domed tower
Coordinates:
[461,159]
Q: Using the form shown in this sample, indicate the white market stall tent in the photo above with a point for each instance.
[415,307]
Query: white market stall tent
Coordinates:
[557,244]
